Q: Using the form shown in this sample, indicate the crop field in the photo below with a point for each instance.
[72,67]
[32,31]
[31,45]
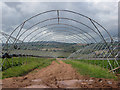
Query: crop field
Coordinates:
[21,63]
[90,70]
[13,62]
[20,66]
[102,63]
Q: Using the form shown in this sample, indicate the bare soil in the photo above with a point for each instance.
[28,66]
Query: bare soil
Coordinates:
[58,75]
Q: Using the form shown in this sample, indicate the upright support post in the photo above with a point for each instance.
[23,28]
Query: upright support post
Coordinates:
[58,15]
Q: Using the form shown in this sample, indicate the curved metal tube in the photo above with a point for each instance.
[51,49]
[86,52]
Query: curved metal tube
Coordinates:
[58,24]
[65,31]
[58,27]
[46,30]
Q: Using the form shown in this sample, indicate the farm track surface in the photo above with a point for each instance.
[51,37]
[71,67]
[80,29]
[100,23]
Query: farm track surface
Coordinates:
[58,75]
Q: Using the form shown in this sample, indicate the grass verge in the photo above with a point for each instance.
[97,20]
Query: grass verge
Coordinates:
[32,63]
[91,70]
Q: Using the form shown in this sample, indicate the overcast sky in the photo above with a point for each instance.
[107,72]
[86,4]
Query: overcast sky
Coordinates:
[106,13]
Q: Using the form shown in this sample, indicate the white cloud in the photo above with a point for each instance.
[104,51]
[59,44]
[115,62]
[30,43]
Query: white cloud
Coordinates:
[30,8]
[96,1]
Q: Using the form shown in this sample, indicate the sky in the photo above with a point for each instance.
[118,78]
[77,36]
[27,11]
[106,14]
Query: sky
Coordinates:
[106,13]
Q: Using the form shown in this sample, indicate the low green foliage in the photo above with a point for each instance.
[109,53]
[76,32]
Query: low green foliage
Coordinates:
[17,61]
[103,63]
[90,70]
[31,64]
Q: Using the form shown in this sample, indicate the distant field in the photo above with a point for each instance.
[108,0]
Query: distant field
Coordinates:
[42,53]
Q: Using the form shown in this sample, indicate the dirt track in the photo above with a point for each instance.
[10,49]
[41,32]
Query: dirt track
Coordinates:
[58,75]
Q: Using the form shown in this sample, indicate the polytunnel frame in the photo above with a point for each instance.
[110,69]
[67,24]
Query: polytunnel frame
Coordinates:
[92,21]
[58,11]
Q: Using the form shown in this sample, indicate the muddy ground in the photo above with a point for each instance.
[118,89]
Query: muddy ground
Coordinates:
[58,75]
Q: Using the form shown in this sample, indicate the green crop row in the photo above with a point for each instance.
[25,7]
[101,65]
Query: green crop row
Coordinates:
[90,70]
[103,63]
[31,64]
[17,61]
